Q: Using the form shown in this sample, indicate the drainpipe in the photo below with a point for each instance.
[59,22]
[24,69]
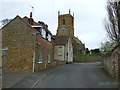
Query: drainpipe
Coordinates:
[34,52]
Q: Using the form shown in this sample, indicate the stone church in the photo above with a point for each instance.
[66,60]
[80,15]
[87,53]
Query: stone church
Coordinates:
[66,28]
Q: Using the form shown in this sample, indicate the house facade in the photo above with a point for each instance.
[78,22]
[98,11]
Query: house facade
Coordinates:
[26,46]
[63,49]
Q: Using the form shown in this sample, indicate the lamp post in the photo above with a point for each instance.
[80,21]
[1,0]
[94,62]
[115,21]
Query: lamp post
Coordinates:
[35,33]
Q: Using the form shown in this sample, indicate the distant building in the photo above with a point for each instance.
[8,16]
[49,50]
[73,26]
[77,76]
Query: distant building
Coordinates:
[27,46]
[79,47]
[63,49]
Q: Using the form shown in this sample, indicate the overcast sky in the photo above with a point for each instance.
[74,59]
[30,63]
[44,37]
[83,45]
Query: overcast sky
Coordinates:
[88,20]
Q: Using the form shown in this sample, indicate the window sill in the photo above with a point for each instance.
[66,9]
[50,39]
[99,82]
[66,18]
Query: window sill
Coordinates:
[40,62]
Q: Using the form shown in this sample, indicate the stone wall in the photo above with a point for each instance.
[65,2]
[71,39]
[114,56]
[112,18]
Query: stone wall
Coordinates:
[0,48]
[112,63]
[86,59]
[44,52]
[106,62]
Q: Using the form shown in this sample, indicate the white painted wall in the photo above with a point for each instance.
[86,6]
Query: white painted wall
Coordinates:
[68,48]
[70,51]
[57,56]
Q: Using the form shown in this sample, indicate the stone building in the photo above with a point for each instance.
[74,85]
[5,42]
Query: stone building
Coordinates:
[66,28]
[27,45]
[63,49]
[79,47]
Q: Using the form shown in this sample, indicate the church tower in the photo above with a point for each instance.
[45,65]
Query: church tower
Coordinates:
[65,25]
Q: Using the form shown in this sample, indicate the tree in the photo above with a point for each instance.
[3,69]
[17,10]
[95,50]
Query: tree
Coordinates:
[107,46]
[112,23]
[95,51]
[87,51]
[5,21]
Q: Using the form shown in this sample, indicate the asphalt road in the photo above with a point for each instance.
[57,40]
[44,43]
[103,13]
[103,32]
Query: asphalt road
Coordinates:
[84,75]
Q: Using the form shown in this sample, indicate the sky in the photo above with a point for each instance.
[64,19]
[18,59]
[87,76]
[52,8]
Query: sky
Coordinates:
[88,16]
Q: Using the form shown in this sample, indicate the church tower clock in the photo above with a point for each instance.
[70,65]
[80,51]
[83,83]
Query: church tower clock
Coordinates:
[65,25]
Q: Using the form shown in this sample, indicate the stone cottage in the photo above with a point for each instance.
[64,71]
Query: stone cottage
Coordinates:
[63,49]
[26,45]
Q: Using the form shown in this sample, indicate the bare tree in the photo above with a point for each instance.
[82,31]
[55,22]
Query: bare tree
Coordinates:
[5,21]
[112,23]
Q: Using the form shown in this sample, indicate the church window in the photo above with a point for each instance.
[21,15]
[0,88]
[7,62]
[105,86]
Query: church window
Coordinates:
[72,21]
[63,21]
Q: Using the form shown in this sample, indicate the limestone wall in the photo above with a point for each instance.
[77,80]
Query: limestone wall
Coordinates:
[112,63]
[86,59]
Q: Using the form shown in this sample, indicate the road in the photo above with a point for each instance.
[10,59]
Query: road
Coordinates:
[81,75]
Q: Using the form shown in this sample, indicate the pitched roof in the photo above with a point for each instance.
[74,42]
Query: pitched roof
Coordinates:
[77,40]
[43,42]
[22,20]
[26,20]
[61,40]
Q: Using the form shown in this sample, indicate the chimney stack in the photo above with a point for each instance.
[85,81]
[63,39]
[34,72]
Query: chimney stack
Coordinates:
[30,20]
[30,14]
[46,25]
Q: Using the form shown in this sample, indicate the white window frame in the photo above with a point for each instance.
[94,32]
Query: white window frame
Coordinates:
[4,50]
[43,33]
[40,58]
[60,51]
[49,37]
[48,58]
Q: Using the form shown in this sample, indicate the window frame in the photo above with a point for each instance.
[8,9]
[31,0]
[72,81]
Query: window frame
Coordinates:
[48,56]
[40,58]
[43,33]
[60,50]
[63,21]
[49,37]
[4,50]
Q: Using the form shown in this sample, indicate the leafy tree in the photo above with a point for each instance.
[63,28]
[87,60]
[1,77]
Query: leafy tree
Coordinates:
[95,51]
[107,46]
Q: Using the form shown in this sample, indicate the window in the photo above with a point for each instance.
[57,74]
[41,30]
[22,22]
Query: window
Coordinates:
[48,58]
[49,37]
[63,21]
[43,33]
[4,52]
[72,22]
[40,58]
[60,51]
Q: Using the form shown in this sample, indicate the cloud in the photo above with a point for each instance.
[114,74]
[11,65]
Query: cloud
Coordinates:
[88,16]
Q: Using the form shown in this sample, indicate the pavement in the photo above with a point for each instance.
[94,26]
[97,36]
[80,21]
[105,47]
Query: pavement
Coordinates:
[11,78]
[24,79]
